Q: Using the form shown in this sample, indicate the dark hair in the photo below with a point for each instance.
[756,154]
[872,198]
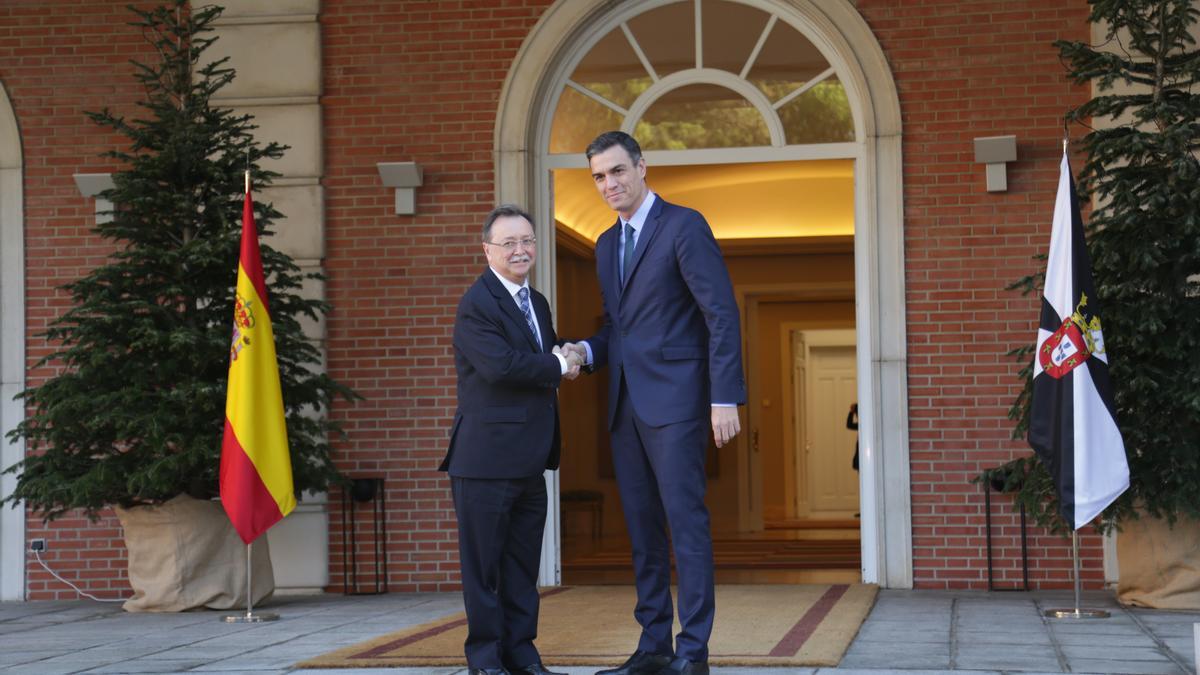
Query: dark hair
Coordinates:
[609,139]
[503,211]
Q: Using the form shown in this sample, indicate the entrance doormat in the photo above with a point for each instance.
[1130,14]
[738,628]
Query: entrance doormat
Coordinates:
[760,625]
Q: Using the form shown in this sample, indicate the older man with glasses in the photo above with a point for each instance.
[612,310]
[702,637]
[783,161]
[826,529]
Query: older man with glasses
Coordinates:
[505,434]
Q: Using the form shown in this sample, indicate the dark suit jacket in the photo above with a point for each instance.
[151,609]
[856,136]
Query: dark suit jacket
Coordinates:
[673,331]
[506,425]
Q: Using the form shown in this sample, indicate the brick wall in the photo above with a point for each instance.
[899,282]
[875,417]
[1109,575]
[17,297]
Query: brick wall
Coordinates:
[58,59]
[420,81]
[967,69]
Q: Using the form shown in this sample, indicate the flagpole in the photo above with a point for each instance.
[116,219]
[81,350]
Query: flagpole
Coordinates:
[1063,346]
[1076,613]
[250,616]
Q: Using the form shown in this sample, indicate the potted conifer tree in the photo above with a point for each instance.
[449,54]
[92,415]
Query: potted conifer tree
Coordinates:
[1142,173]
[134,413]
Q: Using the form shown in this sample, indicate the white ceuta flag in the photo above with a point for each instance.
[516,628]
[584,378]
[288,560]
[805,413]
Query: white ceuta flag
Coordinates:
[1073,424]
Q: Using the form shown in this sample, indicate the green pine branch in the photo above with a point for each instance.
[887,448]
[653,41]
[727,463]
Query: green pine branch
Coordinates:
[135,412]
[1144,238]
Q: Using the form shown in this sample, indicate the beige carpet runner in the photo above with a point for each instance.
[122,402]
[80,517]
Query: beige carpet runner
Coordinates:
[778,625]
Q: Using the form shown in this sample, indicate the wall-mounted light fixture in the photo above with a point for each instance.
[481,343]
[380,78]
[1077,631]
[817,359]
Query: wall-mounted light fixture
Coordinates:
[405,177]
[92,184]
[996,152]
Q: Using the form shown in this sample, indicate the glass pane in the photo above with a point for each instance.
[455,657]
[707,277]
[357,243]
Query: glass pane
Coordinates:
[786,62]
[613,70]
[578,120]
[730,32]
[701,116]
[667,36]
[819,115]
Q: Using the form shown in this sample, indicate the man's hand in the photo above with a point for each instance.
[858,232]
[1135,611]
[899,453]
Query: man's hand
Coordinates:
[574,362]
[725,423]
[576,355]
[577,349]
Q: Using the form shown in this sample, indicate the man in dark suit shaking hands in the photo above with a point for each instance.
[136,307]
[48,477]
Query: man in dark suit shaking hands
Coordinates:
[672,337]
[505,434]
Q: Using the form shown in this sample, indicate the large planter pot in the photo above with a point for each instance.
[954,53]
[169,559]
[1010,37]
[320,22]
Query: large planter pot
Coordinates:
[184,554]
[300,543]
[1159,565]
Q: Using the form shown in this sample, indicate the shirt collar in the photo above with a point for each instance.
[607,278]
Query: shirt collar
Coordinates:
[508,285]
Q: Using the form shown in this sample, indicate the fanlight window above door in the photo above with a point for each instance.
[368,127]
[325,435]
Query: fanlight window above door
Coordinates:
[694,74]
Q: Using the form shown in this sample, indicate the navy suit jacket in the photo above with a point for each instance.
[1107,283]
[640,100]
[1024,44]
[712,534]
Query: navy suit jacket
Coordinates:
[506,425]
[672,331]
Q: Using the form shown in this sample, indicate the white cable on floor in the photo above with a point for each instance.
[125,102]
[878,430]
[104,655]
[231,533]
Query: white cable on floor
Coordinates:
[38,555]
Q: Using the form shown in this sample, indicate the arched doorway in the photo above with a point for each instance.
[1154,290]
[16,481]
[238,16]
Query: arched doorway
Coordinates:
[529,149]
[12,346]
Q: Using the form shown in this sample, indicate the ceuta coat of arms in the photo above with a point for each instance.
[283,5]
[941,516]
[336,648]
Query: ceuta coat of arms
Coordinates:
[1076,339]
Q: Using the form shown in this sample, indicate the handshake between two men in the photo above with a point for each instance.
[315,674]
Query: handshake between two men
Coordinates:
[576,356]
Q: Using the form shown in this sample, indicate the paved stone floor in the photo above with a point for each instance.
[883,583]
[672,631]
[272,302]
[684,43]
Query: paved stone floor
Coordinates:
[926,632]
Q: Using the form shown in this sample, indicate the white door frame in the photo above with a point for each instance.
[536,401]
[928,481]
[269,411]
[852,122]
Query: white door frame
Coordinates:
[12,346]
[566,30]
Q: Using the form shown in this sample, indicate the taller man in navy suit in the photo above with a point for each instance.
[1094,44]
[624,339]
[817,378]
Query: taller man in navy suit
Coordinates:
[672,337]
[505,434]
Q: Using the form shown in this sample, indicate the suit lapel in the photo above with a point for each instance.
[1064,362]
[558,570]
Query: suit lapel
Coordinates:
[508,306]
[614,263]
[646,236]
[541,309]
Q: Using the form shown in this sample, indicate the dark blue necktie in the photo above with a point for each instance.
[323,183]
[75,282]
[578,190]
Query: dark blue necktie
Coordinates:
[523,295]
[627,259]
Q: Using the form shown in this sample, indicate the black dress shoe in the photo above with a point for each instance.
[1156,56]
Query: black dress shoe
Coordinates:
[488,671]
[685,667]
[641,663]
[535,669]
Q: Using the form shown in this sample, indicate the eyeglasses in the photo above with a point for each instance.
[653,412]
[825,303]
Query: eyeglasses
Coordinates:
[511,244]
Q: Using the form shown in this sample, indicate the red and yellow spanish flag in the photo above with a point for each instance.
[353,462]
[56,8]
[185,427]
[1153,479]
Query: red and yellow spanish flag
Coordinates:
[256,469]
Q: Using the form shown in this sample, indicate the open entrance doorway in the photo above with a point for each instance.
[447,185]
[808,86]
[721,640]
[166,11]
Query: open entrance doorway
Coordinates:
[786,232]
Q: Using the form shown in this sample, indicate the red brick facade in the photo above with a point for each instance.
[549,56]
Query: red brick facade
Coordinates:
[966,70]
[421,81]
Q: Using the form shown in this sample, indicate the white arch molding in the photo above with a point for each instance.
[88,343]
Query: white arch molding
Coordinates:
[526,108]
[12,346]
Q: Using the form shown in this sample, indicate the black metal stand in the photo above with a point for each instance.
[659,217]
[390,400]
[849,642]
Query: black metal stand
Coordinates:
[987,506]
[363,490]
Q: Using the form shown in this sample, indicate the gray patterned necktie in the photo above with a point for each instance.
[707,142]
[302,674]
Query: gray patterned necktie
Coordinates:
[523,295]
[627,259]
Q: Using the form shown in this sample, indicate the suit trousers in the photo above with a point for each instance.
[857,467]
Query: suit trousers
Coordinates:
[661,479]
[500,524]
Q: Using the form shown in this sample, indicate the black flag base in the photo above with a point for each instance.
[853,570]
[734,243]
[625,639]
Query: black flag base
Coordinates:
[1076,613]
[261,617]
